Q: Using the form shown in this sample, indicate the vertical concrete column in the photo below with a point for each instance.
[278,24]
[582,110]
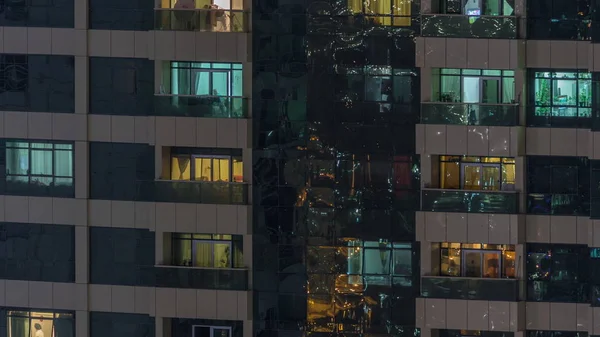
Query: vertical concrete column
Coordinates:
[81,9]
[158,78]
[521,182]
[521,93]
[162,248]
[81,84]
[82,323]
[247,84]
[521,14]
[81,174]
[82,261]
[426,258]
[426,88]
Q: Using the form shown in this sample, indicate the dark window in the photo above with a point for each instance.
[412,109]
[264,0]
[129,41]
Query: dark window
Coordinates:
[543,333]
[40,83]
[39,323]
[46,13]
[559,19]
[121,256]
[560,99]
[104,324]
[121,86]
[36,252]
[206,328]
[557,273]
[121,15]
[116,169]
[558,185]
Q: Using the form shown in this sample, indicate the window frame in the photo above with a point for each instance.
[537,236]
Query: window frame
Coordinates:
[29,148]
[547,109]
[477,73]
[235,247]
[193,157]
[212,329]
[35,314]
[210,68]
[463,247]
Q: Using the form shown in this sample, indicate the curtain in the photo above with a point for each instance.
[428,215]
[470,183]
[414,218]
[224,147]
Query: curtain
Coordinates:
[450,89]
[203,254]
[180,168]
[222,255]
[17,162]
[41,166]
[508,89]
[203,169]
[202,83]
[402,10]
[19,327]
[63,168]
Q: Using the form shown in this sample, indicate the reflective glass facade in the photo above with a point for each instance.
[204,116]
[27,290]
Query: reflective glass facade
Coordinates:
[336,179]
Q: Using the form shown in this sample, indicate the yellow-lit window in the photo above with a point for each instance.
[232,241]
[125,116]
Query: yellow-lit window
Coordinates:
[384,12]
[205,168]
[180,168]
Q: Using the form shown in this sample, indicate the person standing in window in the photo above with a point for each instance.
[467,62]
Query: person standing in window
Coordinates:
[38,330]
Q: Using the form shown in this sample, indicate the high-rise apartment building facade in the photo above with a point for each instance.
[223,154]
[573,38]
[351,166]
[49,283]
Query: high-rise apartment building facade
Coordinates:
[230,168]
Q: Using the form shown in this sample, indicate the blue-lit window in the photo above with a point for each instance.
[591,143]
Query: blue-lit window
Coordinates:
[561,95]
[206,79]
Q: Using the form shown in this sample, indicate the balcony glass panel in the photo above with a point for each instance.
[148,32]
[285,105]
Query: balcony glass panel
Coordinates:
[470,114]
[438,200]
[192,192]
[202,20]
[464,288]
[466,26]
[202,278]
[560,27]
[200,106]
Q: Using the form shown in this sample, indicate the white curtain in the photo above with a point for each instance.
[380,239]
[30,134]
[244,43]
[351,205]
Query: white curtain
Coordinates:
[41,166]
[508,89]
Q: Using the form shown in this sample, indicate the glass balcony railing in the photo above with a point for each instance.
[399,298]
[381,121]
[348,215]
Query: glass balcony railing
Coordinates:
[201,20]
[202,278]
[439,200]
[197,192]
[559,28]
[483,26]
[469,114]
[465,288]
[200,106]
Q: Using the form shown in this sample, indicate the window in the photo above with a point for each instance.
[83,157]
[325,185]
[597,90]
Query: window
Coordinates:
[560,96]
[206,79]
[208,168]
[477,260]
[477,173]
[477,7]
[558,185]
[40,324]
[210,331]
[207,250]
[39,165]
[384,12]
[476,86]
[47,14]
[375,84]
[375,261]
[557,272]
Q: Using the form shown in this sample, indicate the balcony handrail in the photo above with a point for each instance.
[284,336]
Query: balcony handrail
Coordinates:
[201,182]
[481,104]
[478,16]
[466,191]
[471,278]
[201,9]
[192,267]
[194,96]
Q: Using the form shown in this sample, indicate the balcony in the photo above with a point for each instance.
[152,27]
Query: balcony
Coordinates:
[201,20]
[465,288]
[201,278]
[196,192]
[200,106]
[484,26]
[469,114]
[468,201]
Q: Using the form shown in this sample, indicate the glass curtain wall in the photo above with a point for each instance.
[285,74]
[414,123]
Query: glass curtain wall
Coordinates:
[334,111]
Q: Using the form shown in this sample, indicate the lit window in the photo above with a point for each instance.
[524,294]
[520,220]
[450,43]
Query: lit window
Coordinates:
[206,79]
[40,164]
[563,94]
[207,168]
[207,250]
[477,260]
[39,324]
[477,173]
[384,12]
